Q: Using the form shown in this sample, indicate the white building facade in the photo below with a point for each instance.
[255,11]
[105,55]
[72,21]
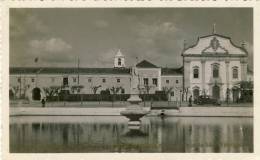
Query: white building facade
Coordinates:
[214,66]
[32,83]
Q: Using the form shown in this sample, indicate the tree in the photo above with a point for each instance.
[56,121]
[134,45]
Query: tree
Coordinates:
[147,88]
[76,88]
[16,90]
[114,91]
[52,90]
[185,92]
[95,88]
[167,91]
[246,90]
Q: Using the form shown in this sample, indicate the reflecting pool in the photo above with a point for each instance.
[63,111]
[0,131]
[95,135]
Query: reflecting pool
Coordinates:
[54,134]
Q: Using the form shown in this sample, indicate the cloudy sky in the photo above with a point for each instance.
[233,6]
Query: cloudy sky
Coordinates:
[59,36]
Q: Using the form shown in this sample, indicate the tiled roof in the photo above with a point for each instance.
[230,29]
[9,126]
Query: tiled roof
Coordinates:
[28,70]
[172,71]
[33,70]
[146,64]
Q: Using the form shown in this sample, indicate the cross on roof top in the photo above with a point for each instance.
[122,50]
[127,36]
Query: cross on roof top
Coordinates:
[214,29]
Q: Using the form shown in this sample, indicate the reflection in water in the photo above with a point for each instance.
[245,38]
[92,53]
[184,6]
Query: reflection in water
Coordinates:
[111,134]
[135,133]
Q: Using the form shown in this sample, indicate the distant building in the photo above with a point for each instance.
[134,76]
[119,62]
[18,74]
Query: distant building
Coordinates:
[214,66]
[31,83]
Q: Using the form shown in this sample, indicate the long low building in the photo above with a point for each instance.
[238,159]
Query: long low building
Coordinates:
[32,83]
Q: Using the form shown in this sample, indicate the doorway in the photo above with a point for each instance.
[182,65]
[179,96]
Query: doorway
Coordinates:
[36,94]
[196,94]
[235,93]
[215,92]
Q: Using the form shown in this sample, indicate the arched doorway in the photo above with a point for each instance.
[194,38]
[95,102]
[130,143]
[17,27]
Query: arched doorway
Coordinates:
[36,94]
[215,92]
[235,93]
[196,94]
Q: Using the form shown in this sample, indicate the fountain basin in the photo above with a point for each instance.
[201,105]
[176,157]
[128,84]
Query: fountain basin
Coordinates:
[134,99]
[134,112]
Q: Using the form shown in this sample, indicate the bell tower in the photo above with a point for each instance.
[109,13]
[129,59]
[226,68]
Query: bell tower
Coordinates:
[119,60]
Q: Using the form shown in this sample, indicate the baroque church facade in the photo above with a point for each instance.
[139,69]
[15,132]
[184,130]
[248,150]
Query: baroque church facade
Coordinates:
[213,66]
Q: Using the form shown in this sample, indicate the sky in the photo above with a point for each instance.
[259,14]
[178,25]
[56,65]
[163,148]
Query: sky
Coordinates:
[58,37]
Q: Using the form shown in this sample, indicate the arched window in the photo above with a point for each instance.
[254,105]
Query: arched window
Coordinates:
[235,72]
[215,70]
[195,72]
[119,61]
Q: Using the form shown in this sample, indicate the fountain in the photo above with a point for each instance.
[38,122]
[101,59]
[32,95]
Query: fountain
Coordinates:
[134,111]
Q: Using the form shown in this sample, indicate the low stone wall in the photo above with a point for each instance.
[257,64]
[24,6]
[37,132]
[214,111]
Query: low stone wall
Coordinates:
[207,112]
[183,111]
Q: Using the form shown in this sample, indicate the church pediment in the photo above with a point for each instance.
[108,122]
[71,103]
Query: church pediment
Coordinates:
[215,45]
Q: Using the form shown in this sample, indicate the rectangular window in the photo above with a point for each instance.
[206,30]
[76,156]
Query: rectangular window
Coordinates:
[145,81]
[89,80]
[118,80]
[19,80]
[104,80]
[32,80]
[172,93]
[167,81]
[155,81]
[235,73]
[52,79]
[215,73]
[196,73]
[177,81]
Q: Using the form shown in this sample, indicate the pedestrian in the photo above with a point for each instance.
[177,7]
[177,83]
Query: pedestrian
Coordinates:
[43,102]
[190,101]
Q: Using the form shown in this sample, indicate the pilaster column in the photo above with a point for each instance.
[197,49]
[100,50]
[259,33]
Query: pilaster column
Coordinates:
[227,73]
[159,80]
[203,75]
[186,73]
[243,70]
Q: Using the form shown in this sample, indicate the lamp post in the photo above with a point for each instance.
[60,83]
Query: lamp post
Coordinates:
[20,86]
[180,96]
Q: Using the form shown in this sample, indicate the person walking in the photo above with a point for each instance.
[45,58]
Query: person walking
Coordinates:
[190,101]
[43,102]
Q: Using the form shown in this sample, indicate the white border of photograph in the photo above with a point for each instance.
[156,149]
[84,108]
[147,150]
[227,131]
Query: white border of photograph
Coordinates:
[4,31]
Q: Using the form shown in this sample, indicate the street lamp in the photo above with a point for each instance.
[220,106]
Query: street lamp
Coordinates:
[180,96]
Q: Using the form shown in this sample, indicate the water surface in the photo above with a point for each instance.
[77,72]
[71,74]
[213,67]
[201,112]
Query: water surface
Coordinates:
[55,134]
